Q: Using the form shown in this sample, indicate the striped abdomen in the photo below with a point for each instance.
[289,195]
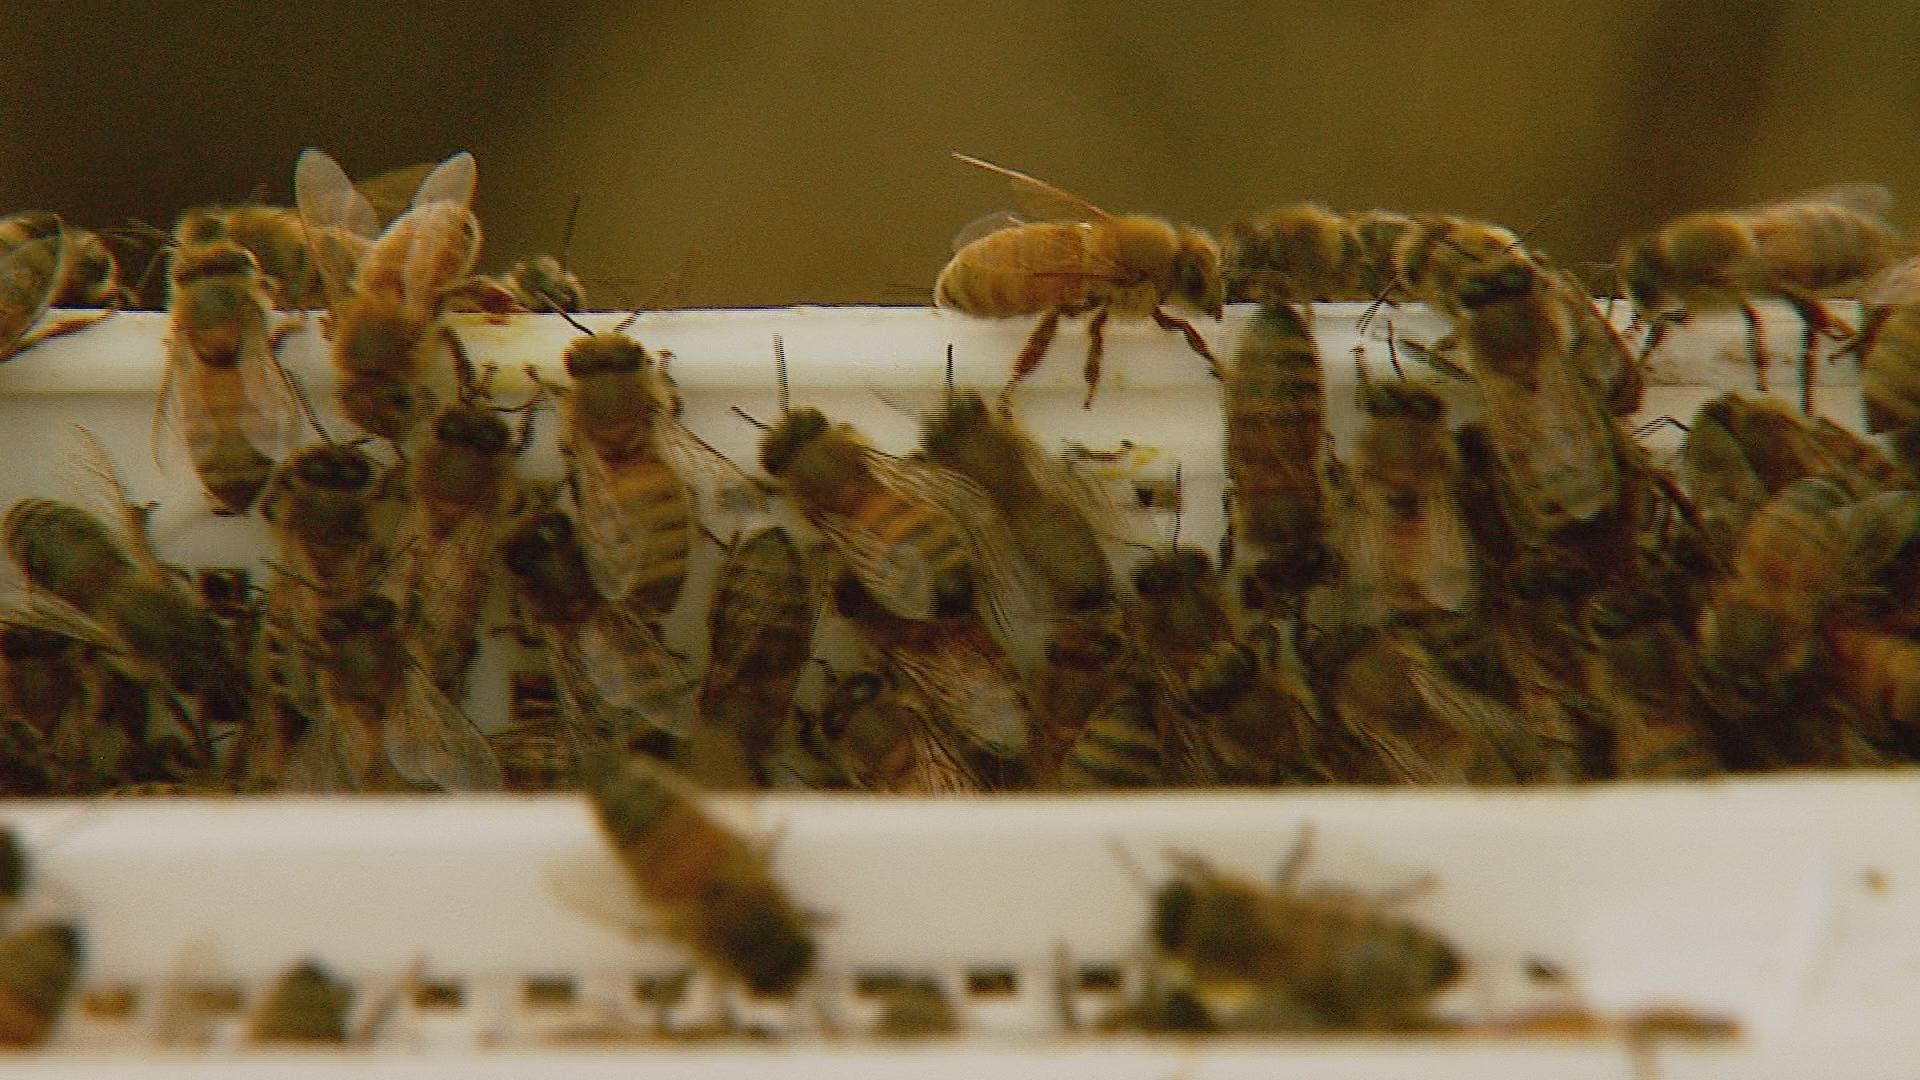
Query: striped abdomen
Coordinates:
[1020,271]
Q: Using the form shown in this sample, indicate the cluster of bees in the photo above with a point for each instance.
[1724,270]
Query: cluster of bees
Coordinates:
[1524,596]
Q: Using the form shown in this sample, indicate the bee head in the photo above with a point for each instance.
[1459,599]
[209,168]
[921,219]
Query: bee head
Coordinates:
[472,426]
[785,439]
[1172,917]
[1172,571]
[1196,273]
[598,354]
[1641,275]
[337,468]
[221,258]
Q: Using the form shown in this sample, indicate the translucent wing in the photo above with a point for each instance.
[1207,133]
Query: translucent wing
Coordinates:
[448,578]
[1876,528]
[728,498]
[1871,199]
[443,244]
[32,273]
[39,610]
[1410,560]
[1041,198]
[760,583]
[452,181]
[1897,284]
[1723,486]
[429,740]
[621,678]
[985,225]
[318,765]
[1551,443]
[998,570]
[332,211]
[390,192]
[972,686]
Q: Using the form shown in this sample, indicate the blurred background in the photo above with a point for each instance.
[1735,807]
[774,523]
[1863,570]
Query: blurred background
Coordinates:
[792,153]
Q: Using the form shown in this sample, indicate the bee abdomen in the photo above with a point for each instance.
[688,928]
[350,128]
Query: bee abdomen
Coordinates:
[1117,749]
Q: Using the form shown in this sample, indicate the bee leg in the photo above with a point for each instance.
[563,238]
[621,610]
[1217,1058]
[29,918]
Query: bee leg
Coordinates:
[1194,340]
[1756,348]
[1096,351]
[463,368]
[1032,351]
[1815,322]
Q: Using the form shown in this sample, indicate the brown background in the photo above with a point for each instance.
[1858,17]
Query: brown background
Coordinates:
[798,153]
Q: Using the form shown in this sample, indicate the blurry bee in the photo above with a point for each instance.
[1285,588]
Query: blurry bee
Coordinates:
[388,301]
[534,751]
[1596,350]
[221,386]
[45,679]
[1890,359]
[1801,553]
[377,700]
[1179,618]
[1305,251]
[307,1004]
[1090,662]
[1797,249]
[617,680]
[1553,446]
[1434,256]
[38,970]
[543,283]
[970,687]
[639,471]
[324,506]
[1119,745]
[1276,429]
[1781,447]
[711,890]
[462,487]
[1323,958]
[281,244]
[1642,669]
[876,734]
[1878,675]
[1254,713]
[1720,480]
[1126,266]
[1409,545]
[113,591]
[1049,512]
[919,537]
[33,263]
[760,623]
[92,275]
[915,1008]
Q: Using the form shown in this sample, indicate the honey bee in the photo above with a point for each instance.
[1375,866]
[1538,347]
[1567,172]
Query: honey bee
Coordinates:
[1407,721]
[113,592]
[1049,513]
[1802,552]
[1890,359]
[1090,662]
[1553,448]
[876,733]
[1781,447]
[617,681]
[1642,669]
[970,687]
[221,386]
[1276,430]
[1436,253]
[1253,711]
[307,1004]
[1596,350]
[640,472]
[462,486]
[920,538]
[1306,251]
[543,283]
[1318,959]
[760,623]
[1179,618]
[1093,262]
[38,969]
[1119,745]
[712,891]
[34,256]
[281,245]
[324,504]
[1797,249]
[534,751]
[378,700]
[92,276]
[1409,546]
[386,304]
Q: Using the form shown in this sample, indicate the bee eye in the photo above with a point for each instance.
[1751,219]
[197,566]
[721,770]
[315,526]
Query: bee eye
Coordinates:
[375,613]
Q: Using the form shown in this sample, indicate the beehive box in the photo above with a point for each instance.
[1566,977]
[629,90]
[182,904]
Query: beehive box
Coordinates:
[1780,904]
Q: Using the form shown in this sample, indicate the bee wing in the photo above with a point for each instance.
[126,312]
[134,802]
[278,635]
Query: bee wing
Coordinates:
[37,610]
[1427,555]
[973,687]
[727,496]
[986,225]
[1864,197]
[618,546]
[318,765]
[738,617]
[621,676]
[1042,198]
[32,272]
[1876,528]
[1897,284]
[1722,484]
[443,244]
[1551,441]
[452,181]
[337,218]
[448,578]
[999,572]
[429,740]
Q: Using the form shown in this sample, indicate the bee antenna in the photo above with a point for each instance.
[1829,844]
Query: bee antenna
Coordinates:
[289,572]
[632,317]
[949,372]
[575,323]
[1178,504]
[1546,215]
[780,373]
[1360,368]
[748,417]
[1380,299]
[388,563]
[1393,353]
[566,234]
[306,405]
